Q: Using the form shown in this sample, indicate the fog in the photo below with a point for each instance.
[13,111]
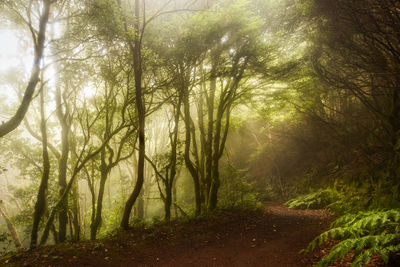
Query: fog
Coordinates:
[123,113]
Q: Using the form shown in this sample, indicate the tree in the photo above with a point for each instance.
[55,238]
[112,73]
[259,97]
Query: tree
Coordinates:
[41,197]
[39,38]
[110,157]
[363,60]
[11,227]
[135,47]
[134,32]
[87,122]
[166,165]
[230,47]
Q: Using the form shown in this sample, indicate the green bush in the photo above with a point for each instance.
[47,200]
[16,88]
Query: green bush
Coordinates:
[317,200]
[363,235]
[235,190]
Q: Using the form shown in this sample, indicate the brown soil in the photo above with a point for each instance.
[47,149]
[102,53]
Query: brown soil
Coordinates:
[229,238]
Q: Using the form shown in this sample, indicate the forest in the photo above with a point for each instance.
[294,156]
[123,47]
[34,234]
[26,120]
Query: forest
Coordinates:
[145,126]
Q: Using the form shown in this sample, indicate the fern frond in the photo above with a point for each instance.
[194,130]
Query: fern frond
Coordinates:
[317,200]
[363,234]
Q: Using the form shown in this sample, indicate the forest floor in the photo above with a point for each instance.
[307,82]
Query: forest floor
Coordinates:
[228,238]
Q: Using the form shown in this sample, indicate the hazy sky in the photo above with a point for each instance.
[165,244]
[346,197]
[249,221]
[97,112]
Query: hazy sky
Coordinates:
[10,50]
[13,55]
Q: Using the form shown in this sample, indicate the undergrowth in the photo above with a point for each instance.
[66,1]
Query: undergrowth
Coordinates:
[363,235]
[369,222]
[317,200]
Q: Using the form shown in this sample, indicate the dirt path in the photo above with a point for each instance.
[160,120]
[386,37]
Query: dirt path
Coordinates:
[273,240]
[270,238]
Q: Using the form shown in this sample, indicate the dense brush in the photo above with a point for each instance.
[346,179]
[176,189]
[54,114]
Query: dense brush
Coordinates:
[317,200]
[363,235]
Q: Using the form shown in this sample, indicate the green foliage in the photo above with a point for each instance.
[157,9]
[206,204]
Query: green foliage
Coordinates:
[235,190]
[306,6]
[370,224]
[317,200]
[105,14]
[367,190]
[156,220]
[5,243]
[111,217]
[363,235]
[3,237]
[351,192]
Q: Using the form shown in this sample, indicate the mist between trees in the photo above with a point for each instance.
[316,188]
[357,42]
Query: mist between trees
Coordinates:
[137,111]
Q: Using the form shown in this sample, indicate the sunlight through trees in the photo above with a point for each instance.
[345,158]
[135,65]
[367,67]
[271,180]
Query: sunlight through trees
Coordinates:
[116,113]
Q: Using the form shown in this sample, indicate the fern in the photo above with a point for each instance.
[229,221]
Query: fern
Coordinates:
[317,200]
[363,234]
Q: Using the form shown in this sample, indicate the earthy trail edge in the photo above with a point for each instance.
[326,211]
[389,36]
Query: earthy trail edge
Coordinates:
[273,240]
[232,238]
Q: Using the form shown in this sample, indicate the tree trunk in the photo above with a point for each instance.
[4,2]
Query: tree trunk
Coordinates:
[209,140]
[97,219]
[172,164]
[215,184]
[11,228]
[137,65]
[55,233]
[140,206]
[62,165]
[175,200]
[76,212]
[77,169]
[90,180]
[40,205]
[188,162]
[168,202]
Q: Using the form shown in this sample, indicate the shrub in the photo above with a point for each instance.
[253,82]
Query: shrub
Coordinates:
[363,235]
[317,200]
